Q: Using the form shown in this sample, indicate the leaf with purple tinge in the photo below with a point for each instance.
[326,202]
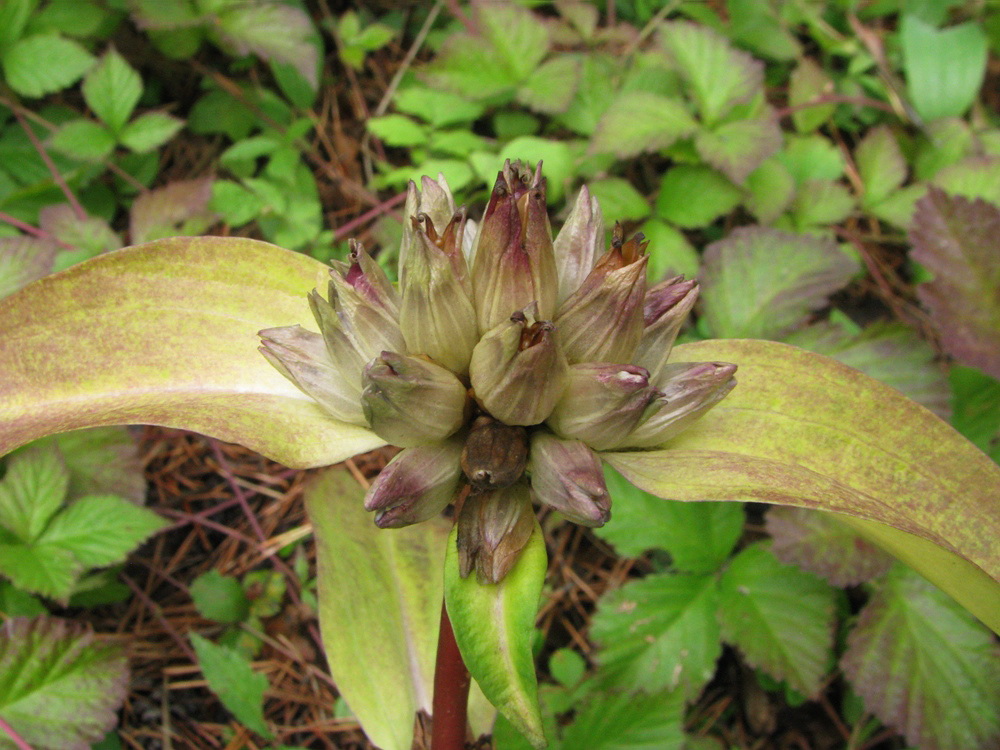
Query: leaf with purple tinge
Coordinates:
[59,688]
[23,260]
[180,207]
[763,282]
[958,240]
[737,148]
[819,543]
[925,667]
[640,121]
[272,31]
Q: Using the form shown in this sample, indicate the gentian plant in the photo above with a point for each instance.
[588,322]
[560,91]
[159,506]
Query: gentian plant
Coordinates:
[507,366]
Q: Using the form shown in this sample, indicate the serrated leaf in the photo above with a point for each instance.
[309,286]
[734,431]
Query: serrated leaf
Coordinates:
[101,530]
[780,617]
[44,63]
[438,108]
[880,163]
[593,94]
[925,667]
[231,678]
[976,408]
[112,89]
[23,260]
[974,177]
[179,207]
[84,140]
[618,199]
[628,722]
[737,148]
[958,240]
[771,188]
[698,536]
[515,34]
[640,121]
[397,130]
[272,31]
[59,688]
[551,87]
[92,235]
[40,568]
[204,373]
[17,603]
[494,629]
[220,598]
[150,131]
[31,491]
[760,283]
[659,633]
[807,84]
[811,157]
[944,67]
[720,76]
[717,196]
[817,542]
[820,202]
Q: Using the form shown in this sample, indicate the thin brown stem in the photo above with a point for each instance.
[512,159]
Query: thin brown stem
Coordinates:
[451,691]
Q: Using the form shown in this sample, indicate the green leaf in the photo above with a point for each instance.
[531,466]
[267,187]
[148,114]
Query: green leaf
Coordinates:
[944,67]
[699,537]
[557,156]
[619,200]
[32,491]
[204,372]
[517,36]
[17,603]
[567,667]
[659,633]
[84,140]
[59,687]
[720,77]
[628,722]
[762,283]
[957,240]
[640,121]
[220,112]
[101,530]
[976,408]
[397,130]
[801,429]
[551,87]
[23,260]
[14,15]
[231,678]
[593,94]
[737,148]
[237,204]
[220,598]
[925,667]
[974,177]
[820,202]
[771,188]
[808,83]
[811,157]
[44,63]
[179,207]
[670,252]
[780,618]
[494,629]
[40,568]
[439,109]
[101,461]
[881,165]
[150,131]
[717,196]
[273,31]
[112,89]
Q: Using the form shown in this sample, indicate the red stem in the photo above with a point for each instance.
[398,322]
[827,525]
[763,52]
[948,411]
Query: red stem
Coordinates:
[451,691]
[18,741]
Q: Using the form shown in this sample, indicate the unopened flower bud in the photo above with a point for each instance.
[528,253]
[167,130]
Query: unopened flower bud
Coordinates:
[493,528]
[578,243]
[410,401]
[517,370]
[434,201]
[345,355]
[601,403]
[415,485]
[685,391]
[567,475]
[302,357]
[513,260]
[494,454]
[603,320]
[666,308]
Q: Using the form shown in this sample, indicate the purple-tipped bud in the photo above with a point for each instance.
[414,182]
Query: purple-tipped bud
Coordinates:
[302,357]
[416,485]
[435,202]
[493,528]
[601,403]
[343,352]
[410,401]
[578,243]
[685,392]
[513,260]
[517,370]
[566,475]
[437,316]
[602,321]
[666,308]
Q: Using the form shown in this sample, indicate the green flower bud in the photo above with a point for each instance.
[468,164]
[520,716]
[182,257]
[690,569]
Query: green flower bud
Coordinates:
[417,484]
[410,401]
[603,320]
[435,202]
[493,528]
[578,243]
[513,260]
[666,308]
[566,475]
[601,403]
[517,370]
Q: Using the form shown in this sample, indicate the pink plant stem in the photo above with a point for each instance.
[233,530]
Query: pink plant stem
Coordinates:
[14,736]
[70,198]
[28,229]
[451,691]
[367,216]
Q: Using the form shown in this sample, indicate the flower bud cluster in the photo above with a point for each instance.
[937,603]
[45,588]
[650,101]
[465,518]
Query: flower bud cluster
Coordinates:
[503,363]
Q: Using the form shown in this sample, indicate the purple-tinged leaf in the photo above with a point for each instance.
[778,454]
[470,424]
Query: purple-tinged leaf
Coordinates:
[272,31]
[819,543]
[807,84]
[958,240]
[90,236]
[59,687]
[925,667]
[640,121]
[101,461]
[179,318]
[177,208]
[801,429]
[881,165]
[764,282]
[737,148]
[23,260]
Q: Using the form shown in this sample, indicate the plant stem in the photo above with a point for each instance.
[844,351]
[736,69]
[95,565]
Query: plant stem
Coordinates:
[451,691]
[18,741]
